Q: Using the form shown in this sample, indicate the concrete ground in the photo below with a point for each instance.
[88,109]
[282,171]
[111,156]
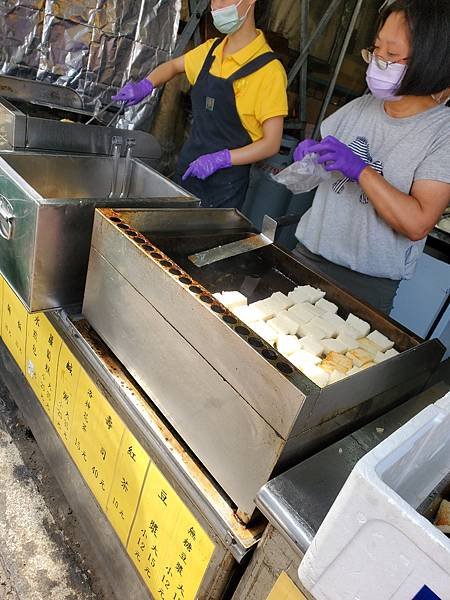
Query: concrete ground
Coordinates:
[43,552]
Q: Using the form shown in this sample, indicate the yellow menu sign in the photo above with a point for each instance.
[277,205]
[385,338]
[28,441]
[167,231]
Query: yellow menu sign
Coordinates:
[42,355]
[66,390]
[131,468]
[165,541]
[285,589]
[167,544]
[96,435]
[14,325]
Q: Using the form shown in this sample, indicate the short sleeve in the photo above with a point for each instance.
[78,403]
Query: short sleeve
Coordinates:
[331,124]
[436,165]
[272,96]
[194,60]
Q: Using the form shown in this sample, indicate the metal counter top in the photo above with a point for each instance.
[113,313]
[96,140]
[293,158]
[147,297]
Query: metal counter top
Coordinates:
[297,501]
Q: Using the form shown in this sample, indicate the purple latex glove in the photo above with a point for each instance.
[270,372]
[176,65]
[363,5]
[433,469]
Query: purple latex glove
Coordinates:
[204,166]
[336,156]
[303,148]
[132,93]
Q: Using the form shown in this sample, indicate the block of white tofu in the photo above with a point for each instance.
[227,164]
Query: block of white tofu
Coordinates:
[301,315]
[307,293]
[317,375]
[282,300]
[308,329]
[335,319]
[381,341]
[312,345]
[334,345]
[248,314]
[265,331]
[368,346]
[336,376]
[326,306]
[288,344]
[264,309]
[361,326]
[298,296]
[328,327]
[348,342]
[349,332]
[359,357]
[301,358]
[283,324]
[382,356]
[233,299]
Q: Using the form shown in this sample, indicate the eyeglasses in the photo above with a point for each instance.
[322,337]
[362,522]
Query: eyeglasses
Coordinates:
[369,55]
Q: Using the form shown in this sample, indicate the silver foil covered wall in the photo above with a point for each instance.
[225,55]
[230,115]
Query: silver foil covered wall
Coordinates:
[93,46]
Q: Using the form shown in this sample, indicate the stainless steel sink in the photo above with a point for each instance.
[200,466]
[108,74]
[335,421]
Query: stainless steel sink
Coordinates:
[47,204]
[66,177]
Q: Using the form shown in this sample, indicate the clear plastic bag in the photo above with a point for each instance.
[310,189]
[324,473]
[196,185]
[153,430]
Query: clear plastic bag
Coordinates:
[303,176]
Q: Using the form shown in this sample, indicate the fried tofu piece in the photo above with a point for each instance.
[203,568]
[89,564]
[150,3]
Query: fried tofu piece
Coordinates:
[336,362]
[359,357]
[368,346]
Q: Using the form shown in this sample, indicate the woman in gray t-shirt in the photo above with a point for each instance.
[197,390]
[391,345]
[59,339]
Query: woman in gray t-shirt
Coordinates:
[390,156]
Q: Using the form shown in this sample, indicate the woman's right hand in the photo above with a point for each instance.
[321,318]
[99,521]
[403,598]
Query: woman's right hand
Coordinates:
[132,93]
[303,148]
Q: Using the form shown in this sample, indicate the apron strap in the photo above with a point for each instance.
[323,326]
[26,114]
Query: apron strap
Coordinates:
[209,59]
[254,65]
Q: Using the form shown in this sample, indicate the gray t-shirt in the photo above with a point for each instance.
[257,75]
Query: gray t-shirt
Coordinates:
[342,225]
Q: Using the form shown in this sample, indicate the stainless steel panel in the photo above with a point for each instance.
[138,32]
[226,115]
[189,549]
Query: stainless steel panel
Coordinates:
[188,391]
[39,127]
[160,285]
[13,127]
[16,88]
[52,200]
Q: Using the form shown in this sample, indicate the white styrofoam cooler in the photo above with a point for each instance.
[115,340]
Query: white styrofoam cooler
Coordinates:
[373,544]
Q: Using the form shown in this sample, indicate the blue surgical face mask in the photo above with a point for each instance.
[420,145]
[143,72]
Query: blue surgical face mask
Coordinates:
[227,20]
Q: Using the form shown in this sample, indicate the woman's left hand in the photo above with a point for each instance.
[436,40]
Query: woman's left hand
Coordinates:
[336,156]
[206,165]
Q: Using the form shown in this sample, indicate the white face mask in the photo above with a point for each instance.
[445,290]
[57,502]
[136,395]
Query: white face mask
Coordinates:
[227,20]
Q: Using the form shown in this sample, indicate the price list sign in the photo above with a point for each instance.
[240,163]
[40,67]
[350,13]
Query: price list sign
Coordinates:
[131,468]
[42,354]
[66,390]
[96,435]
[14,326]
[167,544]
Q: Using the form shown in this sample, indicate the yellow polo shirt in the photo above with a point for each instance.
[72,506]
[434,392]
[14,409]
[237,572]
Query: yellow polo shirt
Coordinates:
[259,96]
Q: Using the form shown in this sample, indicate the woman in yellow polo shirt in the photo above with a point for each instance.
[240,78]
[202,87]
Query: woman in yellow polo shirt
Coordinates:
[239,102]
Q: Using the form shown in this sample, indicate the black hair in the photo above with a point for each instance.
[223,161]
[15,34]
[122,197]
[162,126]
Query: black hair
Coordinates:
[429,62]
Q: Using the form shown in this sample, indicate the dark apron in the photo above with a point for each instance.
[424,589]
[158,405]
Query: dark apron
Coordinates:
[217,126]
